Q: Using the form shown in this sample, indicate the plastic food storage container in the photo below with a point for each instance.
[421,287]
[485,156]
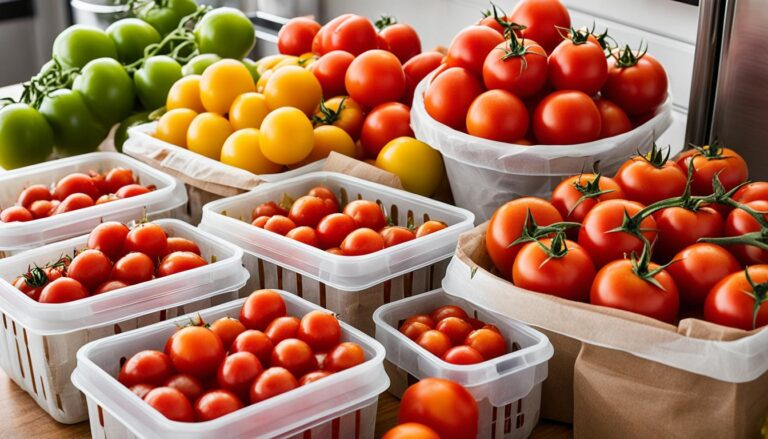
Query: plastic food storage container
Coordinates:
[507,388]
[16,237]
[38,341]
[205,179]
[342,405]
[351,286]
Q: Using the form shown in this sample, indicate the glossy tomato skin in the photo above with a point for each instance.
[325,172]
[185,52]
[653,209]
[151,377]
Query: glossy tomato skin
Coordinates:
[362,242]
[416,69]
[73,184]
[227,329]
[402,40]
[319,329]
[730,168]
[413,330]
[177,244]
[541,18]
[171,403]
[16,214]
[62,290]
[366,213]
[645,183]
[272,382]
[333,228]
[613,120]
[616,286]
[679,228]
[471,46]
[569,276]
[752,192]
[197,351]
[566,195]
[147,238]
[579,67]
[498,115]
[133,268]
[605,246]
[506,225]
[237,372]
[637,89]
[395,235]
[255,342]
[443,312]
[295,37]
[434,341]
[697,268]
[282,328]
[489,343]
[178,262]
[449,96]
[190,386]
[385,122]
[566,118]
[375,77]
[348,32]
[309,210]
[731,301]
[330,71]
[344,356]
[524,76]
[455,328]
[294,355]
[91,268]
[442,405]
[311,377]
[260,308]
[73,202]
[411,430]
[34,193]
[740,222]
[215,404]
[463,355]
[146,367]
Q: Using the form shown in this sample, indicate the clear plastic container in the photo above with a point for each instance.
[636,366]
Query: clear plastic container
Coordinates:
[507,388]
[351,286]
[16,237]
[38,341]
[342,405]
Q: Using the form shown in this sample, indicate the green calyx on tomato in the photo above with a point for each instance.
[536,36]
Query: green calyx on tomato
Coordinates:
[558,247]
[107,89]
[327,115]
[626,57]
[588,189]
[163,15]
[227,32]
[759,293]
[76,130]
[656,156]
[79,44]
[516,48]
[26,137]
[385,21]
[714,151]
[640,267]
[533,232]
[502,19]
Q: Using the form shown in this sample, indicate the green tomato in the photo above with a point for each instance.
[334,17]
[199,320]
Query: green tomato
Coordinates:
[131,36]
[253,67]
[227,32]
[106,89]
[25,136]
[166,18]
[154,80]
[199,63]
[121,133]
[75,129]
[79,44]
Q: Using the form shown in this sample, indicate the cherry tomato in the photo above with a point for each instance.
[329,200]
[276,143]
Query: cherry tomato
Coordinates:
[309,210]
[108,238]
[15,214]
[304,234]
[73,202]
[62,290]
[91,268]
[260,222]
[237,372]
[197,351]
[366,214]
[320,330]
[272,382]
[270,208]
[311,377]
[132,190]
[697,268]
[294,355]
[385,122]
[117,178]
[141,390]
[178,262]
[330,69]
[335,251]
[375,77]
[362,242]
[295,37]
[450,95]
[470,47]
[395,235]
[442,405]
[565,271]
[435,342]
[215,404]
[737,302]
[411,430]
[133,268]
[176,244]
[575,196]
[647,180]
[430,227]
[711,160]
[517,67]
[261,307]
[190,386]
[41,209]
[416,69]
[613,120]
[348,32]
[428,320]
[333,228]
[344,356]
[490,344]
[108,286]
[566,118]
[679,228]
[282,328]
[77,183]
[227,329]
[401,39]
[455,328]
[752,192]
[413,330]
[636,84]
[34,193]
[577,64]
[498,115]
[171,403]
[740,222]
[147,238]
[255,342]
[146,367]
[542,19]
[463,355]
[279,224]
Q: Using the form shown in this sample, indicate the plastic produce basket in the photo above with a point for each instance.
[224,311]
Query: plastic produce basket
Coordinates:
[16,237]
[507,388]
[38,341]
[342,405]
[351,286]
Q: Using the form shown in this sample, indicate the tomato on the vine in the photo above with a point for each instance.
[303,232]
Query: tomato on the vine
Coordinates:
[577,64]
[90,267]
[554,266]
[679,227]
[401,39]
[519,67]
[575,196]
[740,299]
[740,222]
[697,268]
[711,160]
[636,82]
[651,178]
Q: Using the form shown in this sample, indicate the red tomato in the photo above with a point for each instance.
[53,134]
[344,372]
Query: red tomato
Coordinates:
[272,382]
[255,342]
[648,179]
[435,342]
[107,199]
[178,262]
[260,222]
[147,238]
[215,404]
[347,32]
[36,192]
[304,234]
[133,268]
[697,268]
[330,70]
[517,67]
[261,308]
[366,214]
[740,222]
[401,39]
[282,328]
[605,245]
[91,268]
[416,69]
[375,77]
[117,178]
[449,96]
[455,328]
[190,386]
[442,405]
[237,372]
[294,355]
[618,286]
[711,160]
[577,64]
[490,344]
[575,196]
[335,251]
[146,367]
[430,227]
[565,271]
[738,302]
[99,181]
[270,208]
[77,183]
[320,330]
[16,214]
[176,244]
[679,228]
[108,286]
[446,311]
[312,377]
[108,238]
[613,120]
[498,115]
[171,403]
[344,356]
[752,192]
[395,235]
[362,242]
[279,224]
[470,47]
[227,329]
[507,224]
[62,290]
[197,351]
[73,202]
[295,37]
[384,123]
[141,390]
[638,84]
[429,321]
[413,330]
[41,209]
[542,19]
[566,118]
[332,229]
[463,355]
[132,190]
[309,210]
[326,195]
[411,430]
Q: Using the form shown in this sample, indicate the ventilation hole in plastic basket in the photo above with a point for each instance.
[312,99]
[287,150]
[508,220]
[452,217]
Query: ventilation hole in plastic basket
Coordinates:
[519,405]
[394,215]
[59,403]
[29,361]
[516,346]
[343,197]
[494,418]
[42,387]
[426,217]
[279,278]
[260,269]
[299,291]
[101,416]
[507,420]
[13,325]
[521,420]
[335,428]
[181,311]
[410,217]
[322,295]
[5,322]
[163,315]
[18,354]
[412,380]
[387,291]
[357,424]
[307,434]
[117,329]
[122,362]
[46,350]
[474,314]
[408,284]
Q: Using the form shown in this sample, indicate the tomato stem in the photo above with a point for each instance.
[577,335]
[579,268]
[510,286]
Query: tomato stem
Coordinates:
[625,57]
[641,266]
[532,231]
[328,116]
[385,21]
[589,190]
[759,294]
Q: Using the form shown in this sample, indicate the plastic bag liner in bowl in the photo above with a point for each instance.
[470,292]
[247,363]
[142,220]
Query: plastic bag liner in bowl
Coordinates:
[484,174]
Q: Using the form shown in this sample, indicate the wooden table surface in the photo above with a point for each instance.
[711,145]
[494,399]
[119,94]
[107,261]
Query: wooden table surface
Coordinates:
[23,418]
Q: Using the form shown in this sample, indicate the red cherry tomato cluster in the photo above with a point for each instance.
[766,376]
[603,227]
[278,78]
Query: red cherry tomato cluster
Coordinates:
[73,192]
[660,236]
[367,76]
[206,372]
[449,333]
[530,78]
[317,219]
[115,257]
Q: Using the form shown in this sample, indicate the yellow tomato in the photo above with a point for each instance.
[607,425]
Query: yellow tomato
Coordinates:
[286,136]
[330,138]
[248,111]
[207,134]
[242,151]
[222,82]
[270,61]
[173,125]
[307,59]
[343,112]
[293,86]
[185,93]
[262,83]
[419,167]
